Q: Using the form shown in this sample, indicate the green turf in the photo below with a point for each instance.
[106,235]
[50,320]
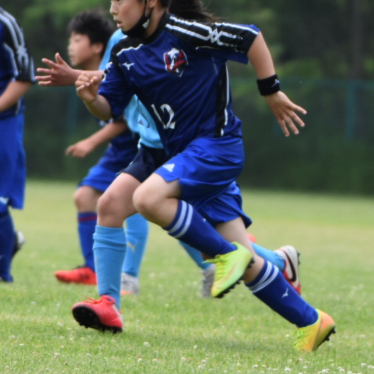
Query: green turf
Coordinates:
[169,328]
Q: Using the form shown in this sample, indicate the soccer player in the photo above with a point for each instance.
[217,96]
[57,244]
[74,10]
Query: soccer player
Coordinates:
[89,34]
[177,67]
[16,77]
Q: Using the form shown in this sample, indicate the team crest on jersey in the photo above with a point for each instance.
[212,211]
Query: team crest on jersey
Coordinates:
[175,61]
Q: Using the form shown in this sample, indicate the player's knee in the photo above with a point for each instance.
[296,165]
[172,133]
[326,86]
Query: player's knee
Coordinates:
[105,205]
[83,201]
[144,201]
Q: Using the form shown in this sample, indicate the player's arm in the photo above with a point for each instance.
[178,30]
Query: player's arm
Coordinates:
[13,93]
[23,65]
[283,109]
[86,146]
[60,73]
[87,88]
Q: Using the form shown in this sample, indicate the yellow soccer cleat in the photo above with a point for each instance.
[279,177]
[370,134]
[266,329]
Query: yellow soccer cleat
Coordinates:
[230,268]
[309,338]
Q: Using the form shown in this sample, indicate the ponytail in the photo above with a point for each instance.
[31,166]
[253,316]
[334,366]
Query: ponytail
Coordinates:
[188,9]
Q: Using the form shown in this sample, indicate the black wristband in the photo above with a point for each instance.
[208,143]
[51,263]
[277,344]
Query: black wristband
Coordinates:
[268,86]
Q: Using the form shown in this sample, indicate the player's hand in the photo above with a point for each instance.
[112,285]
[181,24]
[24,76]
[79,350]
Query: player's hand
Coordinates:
[80,149]
[59,74]
[87,87]
[284,111]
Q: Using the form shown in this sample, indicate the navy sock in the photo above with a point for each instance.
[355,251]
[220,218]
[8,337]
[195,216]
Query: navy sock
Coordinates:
[6,245]
[272,289]
[86,230]
[190,227]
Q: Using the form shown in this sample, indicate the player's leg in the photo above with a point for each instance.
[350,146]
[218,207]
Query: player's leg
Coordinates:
[12,186]
[266,282]
[203,174]
[86,197]
[6,244]
[85,200]
[114,206]
[137,230]
[207,269]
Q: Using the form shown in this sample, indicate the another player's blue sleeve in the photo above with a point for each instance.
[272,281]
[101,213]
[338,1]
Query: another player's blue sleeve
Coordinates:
[115,89]
[114,39]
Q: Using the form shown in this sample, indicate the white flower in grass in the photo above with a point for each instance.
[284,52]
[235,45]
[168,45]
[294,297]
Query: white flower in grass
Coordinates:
[237,332]
[287,369]
[146,344]
[195,346]
[21,345]
[255,366]
[305,367]
[57,355]
[201,366]
[325,371]
[238,364]
[154,360]
[363,364]
[62,346]
[204,361]
[140,359]
[183,359]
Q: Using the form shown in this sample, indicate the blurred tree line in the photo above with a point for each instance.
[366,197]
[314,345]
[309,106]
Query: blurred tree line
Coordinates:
[323,51]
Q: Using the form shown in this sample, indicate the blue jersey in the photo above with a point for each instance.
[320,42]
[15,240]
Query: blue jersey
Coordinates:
[179,73]
[136,115]
[15,61]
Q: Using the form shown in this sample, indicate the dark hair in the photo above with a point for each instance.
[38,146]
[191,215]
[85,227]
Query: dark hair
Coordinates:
[94,24]
[188,9]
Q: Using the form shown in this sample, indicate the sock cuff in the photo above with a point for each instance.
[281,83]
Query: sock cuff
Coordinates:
[113,237]
[182,220]
[267,275]
[87,216]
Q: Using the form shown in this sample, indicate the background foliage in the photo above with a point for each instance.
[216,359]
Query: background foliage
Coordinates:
[322,50]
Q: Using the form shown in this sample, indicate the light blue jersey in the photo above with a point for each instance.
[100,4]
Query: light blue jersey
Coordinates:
[136,115]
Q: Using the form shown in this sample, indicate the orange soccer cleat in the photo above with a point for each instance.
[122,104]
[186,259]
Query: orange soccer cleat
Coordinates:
[309,338]
[102,314]
[80,275]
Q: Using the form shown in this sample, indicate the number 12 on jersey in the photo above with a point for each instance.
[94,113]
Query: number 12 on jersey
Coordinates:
[166,109]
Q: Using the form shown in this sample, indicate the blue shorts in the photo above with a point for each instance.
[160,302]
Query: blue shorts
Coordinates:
[12,163]
[146,162]
[207,170]
[101,176]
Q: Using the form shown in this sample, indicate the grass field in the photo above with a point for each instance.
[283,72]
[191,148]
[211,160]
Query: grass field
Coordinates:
[169,328]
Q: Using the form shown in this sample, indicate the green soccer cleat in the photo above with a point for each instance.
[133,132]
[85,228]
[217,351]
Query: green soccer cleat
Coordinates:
[230,268]
[309,338]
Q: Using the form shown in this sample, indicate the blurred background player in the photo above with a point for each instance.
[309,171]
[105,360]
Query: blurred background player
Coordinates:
[16,77]
[89,33]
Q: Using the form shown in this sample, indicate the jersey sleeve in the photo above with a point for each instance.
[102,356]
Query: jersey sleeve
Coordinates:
[115,88]
[14,43]
[230,41]
[114,39]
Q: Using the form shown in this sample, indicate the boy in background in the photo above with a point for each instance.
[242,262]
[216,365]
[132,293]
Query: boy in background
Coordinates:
[16,77]
[89,33]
